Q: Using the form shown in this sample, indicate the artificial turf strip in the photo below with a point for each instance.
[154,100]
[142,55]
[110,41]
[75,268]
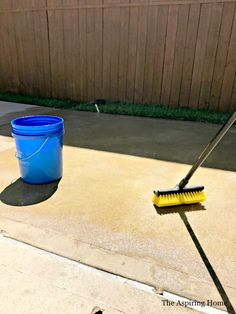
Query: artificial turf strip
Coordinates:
[142,110]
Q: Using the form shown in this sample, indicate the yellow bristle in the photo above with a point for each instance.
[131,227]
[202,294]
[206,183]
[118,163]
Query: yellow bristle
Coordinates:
[178,199]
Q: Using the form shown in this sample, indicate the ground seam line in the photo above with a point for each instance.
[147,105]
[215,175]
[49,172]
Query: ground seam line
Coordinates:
[165,295]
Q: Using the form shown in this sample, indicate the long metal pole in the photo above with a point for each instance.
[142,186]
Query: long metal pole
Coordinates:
[208,149]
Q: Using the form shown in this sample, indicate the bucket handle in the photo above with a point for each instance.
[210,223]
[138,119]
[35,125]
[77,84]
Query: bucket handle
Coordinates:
[34,153]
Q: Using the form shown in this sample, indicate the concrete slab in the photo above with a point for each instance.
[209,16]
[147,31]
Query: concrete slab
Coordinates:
[168,140]
[6,143]
[34,281]
[10,110]
[8,107]
[101,214]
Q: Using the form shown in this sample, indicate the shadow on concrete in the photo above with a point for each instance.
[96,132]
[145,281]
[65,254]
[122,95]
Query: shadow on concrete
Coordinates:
[181,210]
[20,193]
[178,209]
[168,140]
[208,265]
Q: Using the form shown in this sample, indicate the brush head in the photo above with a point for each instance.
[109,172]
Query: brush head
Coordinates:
[177,196]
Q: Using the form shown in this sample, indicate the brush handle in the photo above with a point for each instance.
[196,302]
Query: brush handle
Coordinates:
[208,149]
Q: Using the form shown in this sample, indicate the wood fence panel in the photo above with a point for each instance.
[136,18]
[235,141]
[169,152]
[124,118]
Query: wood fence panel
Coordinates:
[29,48]
[178,53]
[7,71]
[98,48]
[209,59]
[123,50]
[90,50]
[66,46]
[114,50]
[221,54]
[21,36]
[200,51]
[107,40]
[229,74]
[162,21]
[233,98]
[169,53]
[43,66]
[74,68]
[189,54]
[83,52]
[141,53]
[57,54]
[132,52]
[150,54]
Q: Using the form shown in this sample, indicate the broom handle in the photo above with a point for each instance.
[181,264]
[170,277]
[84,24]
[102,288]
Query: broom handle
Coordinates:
[208,149]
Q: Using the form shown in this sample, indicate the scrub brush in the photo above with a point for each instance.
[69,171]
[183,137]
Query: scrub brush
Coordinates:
[195,194]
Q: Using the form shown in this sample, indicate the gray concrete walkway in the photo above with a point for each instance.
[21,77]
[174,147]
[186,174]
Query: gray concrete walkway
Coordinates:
[34,281]
[101,213]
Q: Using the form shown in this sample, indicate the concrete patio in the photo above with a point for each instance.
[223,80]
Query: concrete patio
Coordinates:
[101,214]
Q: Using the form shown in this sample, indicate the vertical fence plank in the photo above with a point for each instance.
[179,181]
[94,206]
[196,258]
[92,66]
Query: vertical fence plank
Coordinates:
[7,55]
[150,54]
[159,53]
[19,47]
[94,50]
[229,74]
[90,56]
[114,49]
[233,98]
[221,55]
[123,51]
[132,52]
[57,53]
[32,79]
[36,62]
[98,38]
[141,53]
[72,51]
[42,58]
[179,55]
[68,22]
[169,53]
[209,59]
[200,54]
[75,53]
[83,51]
[189,52]
[24,34]
[107,38]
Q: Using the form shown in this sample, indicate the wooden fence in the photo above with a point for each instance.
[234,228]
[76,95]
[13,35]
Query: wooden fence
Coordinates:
[174,52]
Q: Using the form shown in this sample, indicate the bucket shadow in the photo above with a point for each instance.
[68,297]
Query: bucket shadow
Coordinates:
[20,193]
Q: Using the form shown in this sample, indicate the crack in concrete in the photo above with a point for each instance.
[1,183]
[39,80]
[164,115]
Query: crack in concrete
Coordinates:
[81,263]
[135,284]
[152,267]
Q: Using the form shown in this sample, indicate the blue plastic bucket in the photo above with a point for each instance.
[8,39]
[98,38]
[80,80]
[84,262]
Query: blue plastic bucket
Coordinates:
[39,142]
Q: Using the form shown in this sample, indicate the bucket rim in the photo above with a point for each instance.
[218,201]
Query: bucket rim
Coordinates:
[44,124]
[60,119]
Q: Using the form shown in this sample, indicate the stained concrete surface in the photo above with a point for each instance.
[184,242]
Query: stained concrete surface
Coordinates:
[16,110]
[34,281]
[168,140]
[101,213]
[14,107]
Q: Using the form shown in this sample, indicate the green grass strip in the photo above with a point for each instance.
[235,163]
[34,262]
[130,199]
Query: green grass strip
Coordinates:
[141,110]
